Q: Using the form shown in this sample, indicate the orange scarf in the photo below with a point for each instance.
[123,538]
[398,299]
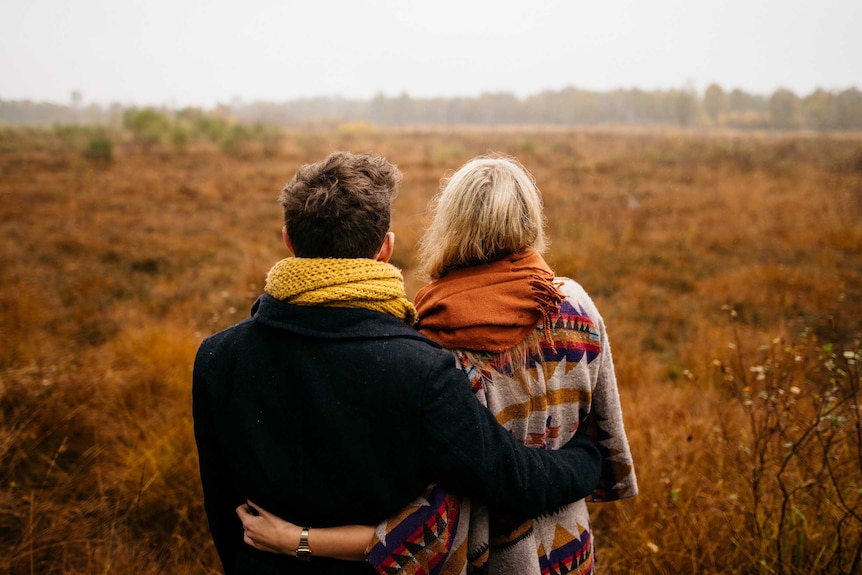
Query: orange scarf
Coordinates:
[490,307]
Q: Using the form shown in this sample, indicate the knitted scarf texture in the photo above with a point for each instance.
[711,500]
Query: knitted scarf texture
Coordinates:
[341,282]
[490,307]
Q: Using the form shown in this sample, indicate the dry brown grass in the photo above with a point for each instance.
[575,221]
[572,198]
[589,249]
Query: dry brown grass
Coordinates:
[709,255]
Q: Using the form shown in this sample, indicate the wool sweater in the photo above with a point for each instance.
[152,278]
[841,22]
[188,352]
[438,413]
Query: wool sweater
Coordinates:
[336,416]
[543,395]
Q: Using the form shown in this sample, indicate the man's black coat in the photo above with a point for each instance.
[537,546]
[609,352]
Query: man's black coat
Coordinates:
[330,416]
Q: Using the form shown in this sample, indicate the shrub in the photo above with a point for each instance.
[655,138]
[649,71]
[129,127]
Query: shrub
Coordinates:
[100,148]
[799,451]
[148,126]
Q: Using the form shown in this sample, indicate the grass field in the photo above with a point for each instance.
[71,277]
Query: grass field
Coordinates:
[728,269]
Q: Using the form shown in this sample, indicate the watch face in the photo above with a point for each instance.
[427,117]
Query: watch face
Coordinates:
[303,554]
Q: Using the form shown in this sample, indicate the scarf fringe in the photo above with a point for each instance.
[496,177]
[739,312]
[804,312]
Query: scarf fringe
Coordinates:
[548,297]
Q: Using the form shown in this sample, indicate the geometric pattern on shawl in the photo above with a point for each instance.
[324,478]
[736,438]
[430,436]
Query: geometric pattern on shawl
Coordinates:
[420,537]
[583,337]
[570,554]
[518,552]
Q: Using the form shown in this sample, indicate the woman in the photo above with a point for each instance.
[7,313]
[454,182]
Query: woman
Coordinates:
[536,352]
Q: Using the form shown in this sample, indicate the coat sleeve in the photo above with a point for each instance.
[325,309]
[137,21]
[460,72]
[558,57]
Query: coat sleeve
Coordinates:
[220,498]
[467,451]
[606,428]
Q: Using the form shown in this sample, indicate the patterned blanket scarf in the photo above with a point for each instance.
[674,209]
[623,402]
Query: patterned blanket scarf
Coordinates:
[336,282]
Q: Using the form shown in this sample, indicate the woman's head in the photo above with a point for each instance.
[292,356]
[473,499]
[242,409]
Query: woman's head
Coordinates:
[488,209]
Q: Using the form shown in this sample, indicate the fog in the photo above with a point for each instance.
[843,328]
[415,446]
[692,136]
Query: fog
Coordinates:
[201,53]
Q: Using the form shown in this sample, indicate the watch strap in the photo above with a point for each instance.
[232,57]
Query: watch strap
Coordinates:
[303,552]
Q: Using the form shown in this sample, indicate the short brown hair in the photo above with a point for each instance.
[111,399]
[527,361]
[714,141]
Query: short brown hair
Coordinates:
[340,207]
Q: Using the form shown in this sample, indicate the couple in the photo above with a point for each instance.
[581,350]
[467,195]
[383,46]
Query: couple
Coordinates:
[469,446]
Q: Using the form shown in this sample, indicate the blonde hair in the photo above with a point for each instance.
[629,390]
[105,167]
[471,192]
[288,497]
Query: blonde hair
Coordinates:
[488,209]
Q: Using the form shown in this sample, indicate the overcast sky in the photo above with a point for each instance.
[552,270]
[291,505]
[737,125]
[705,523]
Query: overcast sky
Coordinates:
[202,52]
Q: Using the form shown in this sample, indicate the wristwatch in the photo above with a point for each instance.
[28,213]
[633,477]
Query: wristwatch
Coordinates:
[303,552]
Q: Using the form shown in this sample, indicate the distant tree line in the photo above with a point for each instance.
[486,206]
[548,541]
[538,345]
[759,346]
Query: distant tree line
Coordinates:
[782,110]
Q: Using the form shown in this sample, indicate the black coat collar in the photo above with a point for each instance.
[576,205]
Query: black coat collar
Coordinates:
[331,322]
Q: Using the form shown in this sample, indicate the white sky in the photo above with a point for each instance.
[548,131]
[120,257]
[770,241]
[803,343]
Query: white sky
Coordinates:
[202,52]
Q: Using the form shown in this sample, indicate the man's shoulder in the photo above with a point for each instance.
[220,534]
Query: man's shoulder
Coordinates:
[227,334]
[333,323]
[273,320]
[213,346]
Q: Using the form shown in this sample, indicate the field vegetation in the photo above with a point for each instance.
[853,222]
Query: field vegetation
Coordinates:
[728,269]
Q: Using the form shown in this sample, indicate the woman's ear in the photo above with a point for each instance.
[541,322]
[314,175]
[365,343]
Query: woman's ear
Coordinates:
[286,239]
[387,248]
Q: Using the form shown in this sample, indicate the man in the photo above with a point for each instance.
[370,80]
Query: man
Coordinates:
[326,405]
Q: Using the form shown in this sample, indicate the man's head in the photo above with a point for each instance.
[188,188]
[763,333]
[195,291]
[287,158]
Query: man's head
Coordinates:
[340,207]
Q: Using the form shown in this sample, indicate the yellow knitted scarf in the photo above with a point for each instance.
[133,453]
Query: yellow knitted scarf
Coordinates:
[333,282]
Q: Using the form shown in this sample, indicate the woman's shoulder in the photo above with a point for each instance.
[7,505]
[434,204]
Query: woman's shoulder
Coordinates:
[578,301]
[574,291]
[568,284]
